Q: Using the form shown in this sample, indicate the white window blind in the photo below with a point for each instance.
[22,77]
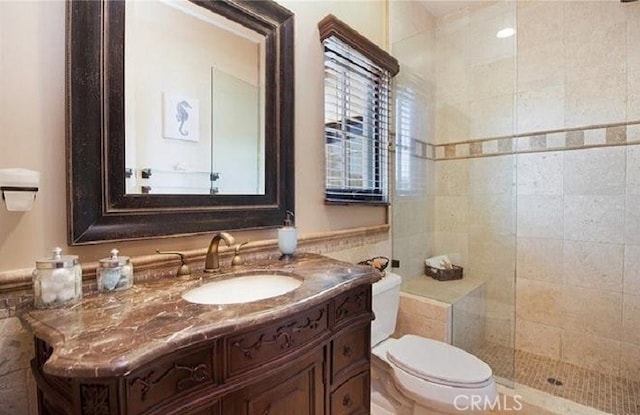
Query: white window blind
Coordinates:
[357,100]
[410,150]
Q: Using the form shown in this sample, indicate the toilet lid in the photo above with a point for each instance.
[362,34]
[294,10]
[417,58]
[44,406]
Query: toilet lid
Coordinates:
[439,362]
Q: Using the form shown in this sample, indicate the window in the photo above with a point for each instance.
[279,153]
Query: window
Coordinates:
[411,152]
[357,85]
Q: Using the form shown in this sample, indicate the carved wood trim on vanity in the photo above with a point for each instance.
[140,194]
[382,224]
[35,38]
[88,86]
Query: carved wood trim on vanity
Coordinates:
[315,361]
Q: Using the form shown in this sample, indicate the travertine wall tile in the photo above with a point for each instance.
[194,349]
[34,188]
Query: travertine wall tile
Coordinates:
[408,19]
[595,137]
[16,345]
[557,140]
[492,214]
[596,171]
[492,174]
[468,329]
[462,150]
[633,101]
[539,302]
[13,394]
[594,48]
[540,259]
[539,63]
[540,108]
[484,46]
[633,33]
[412,320]
[594,218]
[491,79]
[630,361]
[451,213]
[491,255]
[424,307]
[633,133]
[475,148]
[538,339]
[539,23]
[631,319]
[455,244]
[593,352]
[593,265]
[540,216]
[594,101]
[633,169]
[490,147]
[632,220]
[631,269]
[575,138]
[540,173]
[491,117]
[596,312]
[500,330]
[499,297]
[616,135]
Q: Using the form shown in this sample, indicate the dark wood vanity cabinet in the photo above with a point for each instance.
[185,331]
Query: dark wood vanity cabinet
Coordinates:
[315,361]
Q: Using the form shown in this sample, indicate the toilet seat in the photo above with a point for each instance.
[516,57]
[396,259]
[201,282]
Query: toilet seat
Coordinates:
[439,363]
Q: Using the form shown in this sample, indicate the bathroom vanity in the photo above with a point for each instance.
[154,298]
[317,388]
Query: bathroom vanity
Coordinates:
[148,351]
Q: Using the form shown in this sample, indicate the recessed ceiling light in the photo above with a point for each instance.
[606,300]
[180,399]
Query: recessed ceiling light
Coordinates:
[506,32]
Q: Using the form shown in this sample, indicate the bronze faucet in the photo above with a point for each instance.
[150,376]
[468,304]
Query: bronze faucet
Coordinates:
[211,262]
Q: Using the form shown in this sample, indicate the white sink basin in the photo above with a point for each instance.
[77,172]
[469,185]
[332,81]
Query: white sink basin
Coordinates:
[244,289]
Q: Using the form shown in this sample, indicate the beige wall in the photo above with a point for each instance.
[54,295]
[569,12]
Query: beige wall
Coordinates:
[32,135]
[32,127]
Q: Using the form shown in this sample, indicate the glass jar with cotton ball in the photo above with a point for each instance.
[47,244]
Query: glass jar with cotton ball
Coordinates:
[57,281]
[115,273]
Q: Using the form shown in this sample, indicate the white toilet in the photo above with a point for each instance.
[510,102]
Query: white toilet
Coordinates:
[440,377]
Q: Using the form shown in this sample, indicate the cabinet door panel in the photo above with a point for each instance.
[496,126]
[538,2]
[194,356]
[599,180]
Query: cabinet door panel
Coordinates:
[298,391]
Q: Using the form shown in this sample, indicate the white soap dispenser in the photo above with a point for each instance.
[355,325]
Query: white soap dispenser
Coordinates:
[287,237]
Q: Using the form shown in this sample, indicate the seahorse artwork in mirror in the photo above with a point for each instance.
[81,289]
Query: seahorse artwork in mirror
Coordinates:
[100,208]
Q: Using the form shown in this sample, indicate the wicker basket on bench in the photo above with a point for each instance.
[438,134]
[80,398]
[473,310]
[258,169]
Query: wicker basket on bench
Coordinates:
[454,273]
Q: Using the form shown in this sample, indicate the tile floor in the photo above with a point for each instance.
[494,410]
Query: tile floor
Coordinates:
[607,393]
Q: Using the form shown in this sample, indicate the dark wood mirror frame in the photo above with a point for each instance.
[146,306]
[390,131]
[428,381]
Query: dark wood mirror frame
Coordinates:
[99,210]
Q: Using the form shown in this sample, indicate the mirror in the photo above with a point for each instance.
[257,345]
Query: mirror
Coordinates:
[193,112]
[179,117]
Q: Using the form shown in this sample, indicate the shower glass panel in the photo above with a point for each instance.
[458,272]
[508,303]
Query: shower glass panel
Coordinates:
[455,171]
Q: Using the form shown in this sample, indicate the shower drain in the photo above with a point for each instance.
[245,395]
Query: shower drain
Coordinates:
[554,381]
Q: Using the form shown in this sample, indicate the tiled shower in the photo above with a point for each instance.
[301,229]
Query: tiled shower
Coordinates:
[519,155]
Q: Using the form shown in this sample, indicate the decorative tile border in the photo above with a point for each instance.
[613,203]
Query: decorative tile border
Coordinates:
[415,148]
[556,140]
[16,285]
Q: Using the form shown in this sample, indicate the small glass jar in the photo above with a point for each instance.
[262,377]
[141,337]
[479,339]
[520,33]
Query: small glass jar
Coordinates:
[57,281]
[115,273]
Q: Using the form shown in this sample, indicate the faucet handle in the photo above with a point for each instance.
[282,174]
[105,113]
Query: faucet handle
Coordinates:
[237,259]
[184,271]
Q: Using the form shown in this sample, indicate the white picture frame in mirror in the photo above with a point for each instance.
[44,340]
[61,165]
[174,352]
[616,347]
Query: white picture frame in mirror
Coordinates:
[181,117]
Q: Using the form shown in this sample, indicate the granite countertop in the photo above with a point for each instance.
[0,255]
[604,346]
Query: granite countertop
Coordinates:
[110,334]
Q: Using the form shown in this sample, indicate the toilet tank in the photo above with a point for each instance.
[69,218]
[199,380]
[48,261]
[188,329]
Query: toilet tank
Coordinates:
[386,298]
